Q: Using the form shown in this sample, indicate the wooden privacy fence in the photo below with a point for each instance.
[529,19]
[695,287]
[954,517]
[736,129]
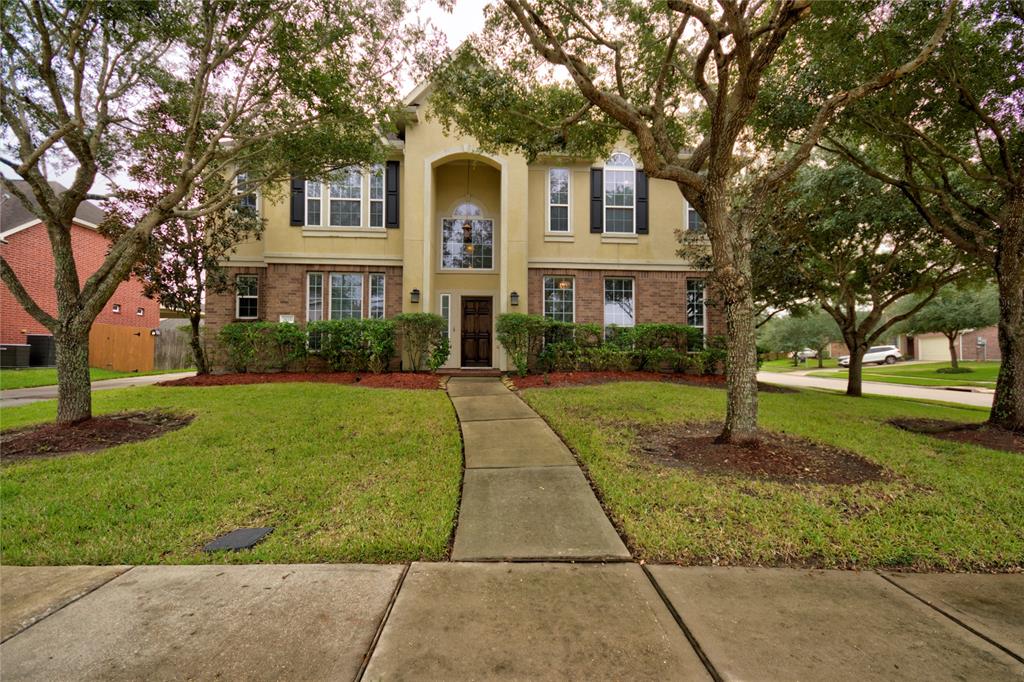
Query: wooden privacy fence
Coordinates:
[125,349]
[172,348]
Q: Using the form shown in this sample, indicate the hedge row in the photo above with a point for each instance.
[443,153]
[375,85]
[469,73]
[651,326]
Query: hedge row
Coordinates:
[535,342]
[345,345]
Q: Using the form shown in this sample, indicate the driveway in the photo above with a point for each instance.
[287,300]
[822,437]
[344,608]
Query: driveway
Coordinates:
[24,396]
[878,388]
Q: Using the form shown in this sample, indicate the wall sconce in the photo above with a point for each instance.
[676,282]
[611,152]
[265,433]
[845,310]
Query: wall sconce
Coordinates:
[154,332]
[415,296]
[514,298]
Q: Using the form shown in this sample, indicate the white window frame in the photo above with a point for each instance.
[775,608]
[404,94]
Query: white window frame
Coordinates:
[611,166]
[445,310]
[323,301]
[691,210]
[703,304]
[239,297]
[383,296]
[604,302]
[567,205]
[331,199]
[376,171]
[319,200]
[330,295]
[241,178]
[544,298]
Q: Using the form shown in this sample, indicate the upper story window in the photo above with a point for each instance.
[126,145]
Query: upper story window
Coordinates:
[247,297]
[558,200]
[694,223]
[350,198]
[377,196]
[619,195]
[467,240]
[245,188]
[346,198]
[313,202]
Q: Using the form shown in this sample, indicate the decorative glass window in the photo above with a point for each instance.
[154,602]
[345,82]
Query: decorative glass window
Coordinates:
[346,296]
[377,196]
[314,296]
[558,200]
[695,303]
[245,188]
[446,313]
[619,195]
[618,303]
[467,241]
[377,296]
[694,223]
[246,297]
[559,299]
[346,195]
[313,194]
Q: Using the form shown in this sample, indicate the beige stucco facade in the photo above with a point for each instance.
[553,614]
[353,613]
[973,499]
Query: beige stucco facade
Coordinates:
[439,172]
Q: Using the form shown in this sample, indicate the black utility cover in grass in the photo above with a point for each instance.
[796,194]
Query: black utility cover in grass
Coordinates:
[243,538]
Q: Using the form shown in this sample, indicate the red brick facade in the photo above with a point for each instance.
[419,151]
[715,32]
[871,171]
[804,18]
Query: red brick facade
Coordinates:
[660,295]
[282,291]
[29,254]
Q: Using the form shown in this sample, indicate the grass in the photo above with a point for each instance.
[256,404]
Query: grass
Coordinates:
[47,376]
[951,506]
[982,374]
[786,365]
[342,473]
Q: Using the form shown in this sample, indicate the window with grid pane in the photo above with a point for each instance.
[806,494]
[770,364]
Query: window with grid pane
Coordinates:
[245,187]
[695,303]
[558,200]
[246,297]
[377,196]
[693,220]
[377,296]
[446,313]
[467,241]
[313,202]
[314,296]
[346,296]
[619,194]
[618,302]
[559,299]
[346,194]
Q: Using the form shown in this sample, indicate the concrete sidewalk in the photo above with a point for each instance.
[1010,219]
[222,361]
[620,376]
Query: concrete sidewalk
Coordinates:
[24,396]
[506,621]
[878,388]
[523,495]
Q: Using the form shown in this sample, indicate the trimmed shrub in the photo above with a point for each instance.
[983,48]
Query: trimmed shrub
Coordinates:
[354,345]
[522,336]
[954,370]
[259,346]
[566,346]
[658,346]
[424,339]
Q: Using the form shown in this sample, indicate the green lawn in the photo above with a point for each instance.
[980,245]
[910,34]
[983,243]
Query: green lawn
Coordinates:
[786,365]
[47,376]
[952,506]
[342,473]
[983,374]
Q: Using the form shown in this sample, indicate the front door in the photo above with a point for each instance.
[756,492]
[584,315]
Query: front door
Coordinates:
[476,331]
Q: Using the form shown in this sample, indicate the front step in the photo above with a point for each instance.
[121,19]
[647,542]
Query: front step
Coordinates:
[469,372]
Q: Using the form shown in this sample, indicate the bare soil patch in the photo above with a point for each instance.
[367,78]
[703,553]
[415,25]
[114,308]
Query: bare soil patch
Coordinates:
[984,435]
[411,380]
[557,379]
[775,457]
[98,433]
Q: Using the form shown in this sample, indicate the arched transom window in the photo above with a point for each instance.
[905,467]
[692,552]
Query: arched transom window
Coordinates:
[619,194]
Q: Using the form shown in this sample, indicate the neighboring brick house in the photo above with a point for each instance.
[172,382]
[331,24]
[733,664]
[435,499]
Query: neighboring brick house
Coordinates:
[26,247]
[976,344]
[444,227]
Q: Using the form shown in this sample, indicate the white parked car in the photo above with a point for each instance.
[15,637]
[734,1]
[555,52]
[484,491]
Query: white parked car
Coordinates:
[882,355]
[806,353]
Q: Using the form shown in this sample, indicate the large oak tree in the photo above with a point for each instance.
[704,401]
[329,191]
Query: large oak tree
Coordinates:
[194,90]
[681,79]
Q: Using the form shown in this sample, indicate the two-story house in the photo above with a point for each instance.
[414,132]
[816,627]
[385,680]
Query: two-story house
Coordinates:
[443,227]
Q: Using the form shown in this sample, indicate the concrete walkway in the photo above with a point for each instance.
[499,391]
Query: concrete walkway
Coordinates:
[878,388]
[524,498]
[24,396]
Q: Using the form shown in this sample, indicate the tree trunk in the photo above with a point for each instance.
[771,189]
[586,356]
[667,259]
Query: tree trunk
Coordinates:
[953,360]
[821,358]
[855,379]
[1008,404]
[74,392]
[741,371]
[198,352]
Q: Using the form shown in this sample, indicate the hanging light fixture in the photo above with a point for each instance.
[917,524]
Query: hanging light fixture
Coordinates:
[467,225]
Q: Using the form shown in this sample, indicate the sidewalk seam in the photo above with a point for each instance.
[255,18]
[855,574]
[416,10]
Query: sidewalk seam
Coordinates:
[69,603]
[383,622]
[682,626]
[953,618]
[462,482]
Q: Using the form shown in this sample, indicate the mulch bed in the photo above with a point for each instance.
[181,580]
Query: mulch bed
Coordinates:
[409,380]
[984,435]
[557,379]
[98,433]
[775,457]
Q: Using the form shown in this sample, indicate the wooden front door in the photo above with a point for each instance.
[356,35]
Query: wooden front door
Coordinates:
[476,331]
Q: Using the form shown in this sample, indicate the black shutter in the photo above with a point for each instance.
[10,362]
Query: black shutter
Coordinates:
[298,210]
[642,218]
[596,200]
[391,194]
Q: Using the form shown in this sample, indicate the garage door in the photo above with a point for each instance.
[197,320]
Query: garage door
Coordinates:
[931,348]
